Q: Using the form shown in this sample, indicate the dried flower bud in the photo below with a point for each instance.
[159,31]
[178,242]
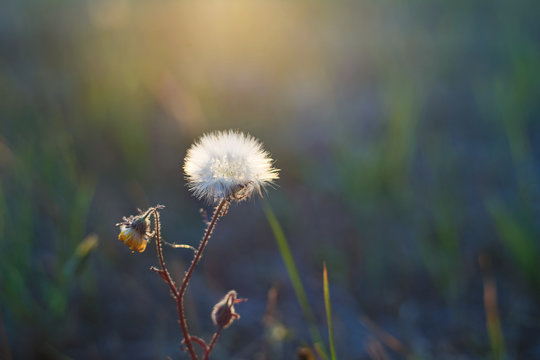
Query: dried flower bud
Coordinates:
[135,231]
[223,313]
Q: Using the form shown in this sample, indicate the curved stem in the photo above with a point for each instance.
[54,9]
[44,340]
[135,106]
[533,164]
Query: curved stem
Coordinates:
[198,254]
[165,272]
[174,289]
[201,342]
[212,343]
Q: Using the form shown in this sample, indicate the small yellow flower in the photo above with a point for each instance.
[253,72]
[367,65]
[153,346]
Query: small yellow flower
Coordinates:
[135,231]
[133,239]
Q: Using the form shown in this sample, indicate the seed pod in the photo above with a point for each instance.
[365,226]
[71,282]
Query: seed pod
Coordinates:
[223,313]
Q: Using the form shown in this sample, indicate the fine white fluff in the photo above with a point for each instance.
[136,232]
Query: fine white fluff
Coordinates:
[227,164]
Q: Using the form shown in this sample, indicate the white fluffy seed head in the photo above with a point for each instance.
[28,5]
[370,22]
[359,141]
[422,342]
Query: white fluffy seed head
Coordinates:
[228,164]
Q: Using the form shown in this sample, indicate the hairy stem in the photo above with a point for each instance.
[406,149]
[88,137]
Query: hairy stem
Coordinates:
[198,254]
[212,343]
[168,279]
[165,272]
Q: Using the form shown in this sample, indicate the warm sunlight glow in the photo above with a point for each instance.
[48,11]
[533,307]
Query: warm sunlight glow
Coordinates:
[192,55]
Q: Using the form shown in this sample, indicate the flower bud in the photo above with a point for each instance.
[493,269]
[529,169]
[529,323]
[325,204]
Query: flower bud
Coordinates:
[223,313]
[135,231]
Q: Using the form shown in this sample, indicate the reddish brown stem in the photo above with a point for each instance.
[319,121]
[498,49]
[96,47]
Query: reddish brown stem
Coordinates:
[179,294]
[168,279]
[199,341]
[198,254]
[212,343]
[165,273]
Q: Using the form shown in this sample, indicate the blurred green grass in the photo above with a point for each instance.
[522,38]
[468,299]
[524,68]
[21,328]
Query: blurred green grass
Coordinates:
[296,281]
[407,135]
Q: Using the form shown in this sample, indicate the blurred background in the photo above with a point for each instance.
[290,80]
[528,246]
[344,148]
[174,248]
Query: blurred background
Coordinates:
[408,138]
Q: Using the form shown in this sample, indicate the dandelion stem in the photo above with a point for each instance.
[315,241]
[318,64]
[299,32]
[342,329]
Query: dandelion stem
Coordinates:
[201,342]
[198,254]
[174,289]
[212,343]
[168,277]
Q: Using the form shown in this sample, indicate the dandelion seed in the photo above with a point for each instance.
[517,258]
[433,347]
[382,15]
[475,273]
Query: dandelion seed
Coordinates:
[228,164]
[135,231]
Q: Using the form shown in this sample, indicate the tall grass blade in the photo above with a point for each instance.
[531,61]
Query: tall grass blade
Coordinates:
[493,322]
[286,254]
[328,307]
[518,238]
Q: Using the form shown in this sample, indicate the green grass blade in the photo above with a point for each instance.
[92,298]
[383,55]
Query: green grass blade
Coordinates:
[328,313]
[518,238]
[295,280]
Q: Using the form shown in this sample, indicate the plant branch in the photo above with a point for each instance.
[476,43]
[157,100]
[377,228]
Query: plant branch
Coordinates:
[164,272]
[180,298]
[168,279]
[200,341]
[212,343]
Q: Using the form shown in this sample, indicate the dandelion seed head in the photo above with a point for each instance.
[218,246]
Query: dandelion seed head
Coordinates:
[227,164]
